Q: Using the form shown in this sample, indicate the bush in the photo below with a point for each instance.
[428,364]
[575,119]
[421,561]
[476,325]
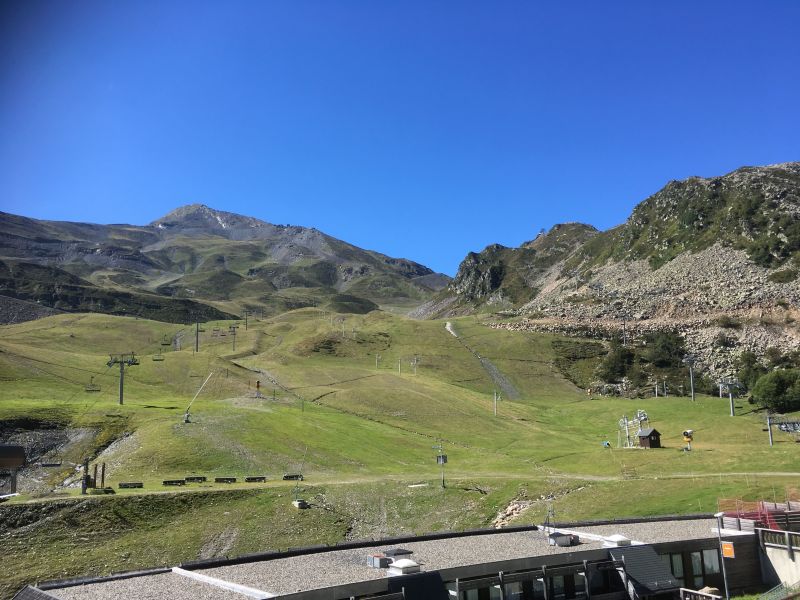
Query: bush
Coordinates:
[749,369]
[727,322]
[617,362]
[779,390]
[664,350]
[785,276]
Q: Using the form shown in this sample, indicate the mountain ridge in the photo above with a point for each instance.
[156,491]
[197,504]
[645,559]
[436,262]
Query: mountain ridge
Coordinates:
[695,250]
[195,253]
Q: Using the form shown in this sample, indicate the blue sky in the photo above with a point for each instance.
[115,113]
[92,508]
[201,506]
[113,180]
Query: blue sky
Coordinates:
[419,129]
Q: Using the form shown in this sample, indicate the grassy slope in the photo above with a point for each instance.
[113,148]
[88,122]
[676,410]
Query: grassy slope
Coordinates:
[368,433]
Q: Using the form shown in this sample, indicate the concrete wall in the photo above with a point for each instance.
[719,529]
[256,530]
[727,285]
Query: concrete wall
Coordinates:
[780,566]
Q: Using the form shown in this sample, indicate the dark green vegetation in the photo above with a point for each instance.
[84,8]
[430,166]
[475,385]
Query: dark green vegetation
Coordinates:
[334,405]
[779,390]
[655,359]
[199,264]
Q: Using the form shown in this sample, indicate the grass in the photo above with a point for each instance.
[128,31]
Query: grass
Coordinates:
[360,430]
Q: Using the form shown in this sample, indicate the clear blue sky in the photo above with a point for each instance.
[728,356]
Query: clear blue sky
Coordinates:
[421,129]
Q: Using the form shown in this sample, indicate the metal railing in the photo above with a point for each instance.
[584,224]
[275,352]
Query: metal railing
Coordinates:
[687,594]
[781,591]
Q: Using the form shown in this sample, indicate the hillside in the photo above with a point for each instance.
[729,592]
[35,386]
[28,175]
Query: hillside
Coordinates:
[694,252]
[198,263]
[356,403]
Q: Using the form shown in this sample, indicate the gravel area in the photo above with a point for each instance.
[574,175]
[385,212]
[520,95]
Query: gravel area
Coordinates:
[152,587]
[315,571]
[656,532]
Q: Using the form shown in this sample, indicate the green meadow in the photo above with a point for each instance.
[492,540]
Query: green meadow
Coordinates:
[357,403]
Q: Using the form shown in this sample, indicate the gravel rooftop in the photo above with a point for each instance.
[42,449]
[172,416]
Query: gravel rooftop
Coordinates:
[338,567]
[315,571]
[148,587]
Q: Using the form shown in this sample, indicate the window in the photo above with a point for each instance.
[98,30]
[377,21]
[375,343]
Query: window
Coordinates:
[557,585]
[711,561]
[514,591]
[697,569]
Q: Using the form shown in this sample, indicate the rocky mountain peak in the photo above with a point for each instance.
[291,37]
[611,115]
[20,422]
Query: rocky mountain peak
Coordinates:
[200,216]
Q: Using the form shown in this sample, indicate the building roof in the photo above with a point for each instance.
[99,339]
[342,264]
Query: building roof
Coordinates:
[314,571]
[647,432]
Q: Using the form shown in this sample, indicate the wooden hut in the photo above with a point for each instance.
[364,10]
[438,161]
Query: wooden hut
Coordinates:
[649,438]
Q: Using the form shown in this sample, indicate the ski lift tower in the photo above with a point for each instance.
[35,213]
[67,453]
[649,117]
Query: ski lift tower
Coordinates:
[441,459]
[122,360]
[689,360]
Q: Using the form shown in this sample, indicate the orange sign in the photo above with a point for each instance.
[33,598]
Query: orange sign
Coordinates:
[727,550]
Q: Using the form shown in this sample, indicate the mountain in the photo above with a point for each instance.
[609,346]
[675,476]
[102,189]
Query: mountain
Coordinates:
[197,262]
[692,253]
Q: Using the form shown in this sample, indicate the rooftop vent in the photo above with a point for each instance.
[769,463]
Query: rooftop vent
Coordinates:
[615,541]
[379,561]
[397,552]
[558,538]
[403,566]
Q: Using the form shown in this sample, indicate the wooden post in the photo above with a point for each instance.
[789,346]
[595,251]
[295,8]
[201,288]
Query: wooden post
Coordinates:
[103,475]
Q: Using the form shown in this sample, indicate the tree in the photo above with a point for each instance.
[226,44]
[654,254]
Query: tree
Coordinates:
[664,350]
[779,390]
[749,369]
[617,362]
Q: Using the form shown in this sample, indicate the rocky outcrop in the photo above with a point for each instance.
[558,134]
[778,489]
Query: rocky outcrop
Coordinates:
[696,251]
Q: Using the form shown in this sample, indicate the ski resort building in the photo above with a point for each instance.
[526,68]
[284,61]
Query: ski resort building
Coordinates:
[619,560]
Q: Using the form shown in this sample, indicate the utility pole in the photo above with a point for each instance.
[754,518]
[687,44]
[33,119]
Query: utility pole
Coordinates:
[197,336]
[689,361]
[399,360]
[122,360]
[232,330]
[495,402]
[377,358]
[441,459]
[769,428]
[246,313]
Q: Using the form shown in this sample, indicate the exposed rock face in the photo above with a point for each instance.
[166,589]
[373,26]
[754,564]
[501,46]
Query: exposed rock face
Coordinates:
[691,253]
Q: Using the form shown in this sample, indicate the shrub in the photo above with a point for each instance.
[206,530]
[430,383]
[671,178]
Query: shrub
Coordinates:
[779,390]
[664,350]
[785,276]
[727,322]
[749,369]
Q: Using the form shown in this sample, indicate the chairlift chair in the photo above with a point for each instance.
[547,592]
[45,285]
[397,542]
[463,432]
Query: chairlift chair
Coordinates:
[166,341]
[158,357]
[92,386]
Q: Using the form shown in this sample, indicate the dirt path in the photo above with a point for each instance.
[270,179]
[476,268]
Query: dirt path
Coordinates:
[504,383]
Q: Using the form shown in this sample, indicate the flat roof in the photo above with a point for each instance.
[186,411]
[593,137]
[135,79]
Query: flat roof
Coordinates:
[325,568]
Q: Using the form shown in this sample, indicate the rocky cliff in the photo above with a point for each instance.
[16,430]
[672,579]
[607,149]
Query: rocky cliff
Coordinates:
[696,251]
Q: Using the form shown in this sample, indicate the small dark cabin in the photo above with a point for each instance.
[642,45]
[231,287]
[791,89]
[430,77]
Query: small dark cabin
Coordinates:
[649,438]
